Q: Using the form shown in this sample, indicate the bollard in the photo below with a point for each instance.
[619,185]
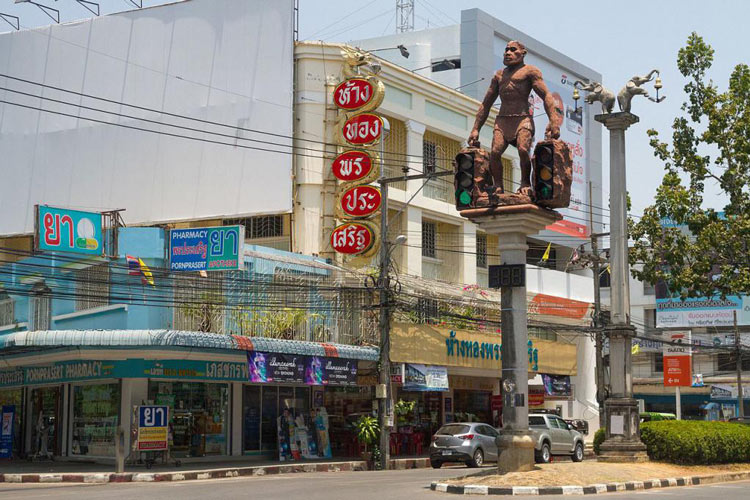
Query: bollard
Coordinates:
[119,450]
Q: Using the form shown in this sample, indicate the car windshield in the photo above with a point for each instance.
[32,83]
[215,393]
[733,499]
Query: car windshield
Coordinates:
[452,430]
[537,422]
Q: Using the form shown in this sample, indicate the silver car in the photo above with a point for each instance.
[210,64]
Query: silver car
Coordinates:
[470,442]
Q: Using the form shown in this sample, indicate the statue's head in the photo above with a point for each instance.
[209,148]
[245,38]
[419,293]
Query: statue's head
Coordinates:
[514,53]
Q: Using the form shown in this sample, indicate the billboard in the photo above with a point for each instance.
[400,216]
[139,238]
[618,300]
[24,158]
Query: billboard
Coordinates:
[214,79]
[572,130]
[207,248]
[677,359]
[65,230]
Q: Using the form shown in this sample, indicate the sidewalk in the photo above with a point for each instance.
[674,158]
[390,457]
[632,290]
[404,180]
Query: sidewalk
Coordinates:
[20,471]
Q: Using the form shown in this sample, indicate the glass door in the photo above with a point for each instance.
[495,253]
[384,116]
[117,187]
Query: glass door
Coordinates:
[45,421]
[251,410]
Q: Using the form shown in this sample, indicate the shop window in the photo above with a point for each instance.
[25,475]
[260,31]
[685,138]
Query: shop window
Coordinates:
[727,361]
[198,416]
[429,235]
[482,250]
[92,287]
[658,363]
[41,307]
[95,419]
[7,309]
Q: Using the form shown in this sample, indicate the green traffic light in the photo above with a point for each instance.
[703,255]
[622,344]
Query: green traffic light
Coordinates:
[464,198]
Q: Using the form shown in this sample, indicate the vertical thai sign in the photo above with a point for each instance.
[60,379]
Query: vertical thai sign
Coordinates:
[677,359]
[357,130]
[65,230]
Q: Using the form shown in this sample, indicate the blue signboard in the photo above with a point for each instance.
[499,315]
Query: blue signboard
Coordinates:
[206,248]
[6,431]
[152,428]
[64,230]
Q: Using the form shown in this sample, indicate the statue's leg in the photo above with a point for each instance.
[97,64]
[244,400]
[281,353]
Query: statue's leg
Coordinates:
[525,139]
[499,145]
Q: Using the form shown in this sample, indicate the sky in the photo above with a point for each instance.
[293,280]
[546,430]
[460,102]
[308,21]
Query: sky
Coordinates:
[617,39]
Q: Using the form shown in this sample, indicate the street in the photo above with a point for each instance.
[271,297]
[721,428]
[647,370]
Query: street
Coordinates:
[393,485]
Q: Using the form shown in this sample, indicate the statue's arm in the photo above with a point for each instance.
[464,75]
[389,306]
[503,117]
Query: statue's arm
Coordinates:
[489,99]
[555,119]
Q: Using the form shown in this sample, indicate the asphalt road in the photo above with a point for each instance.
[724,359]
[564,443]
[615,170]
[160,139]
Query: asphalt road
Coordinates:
[390,485]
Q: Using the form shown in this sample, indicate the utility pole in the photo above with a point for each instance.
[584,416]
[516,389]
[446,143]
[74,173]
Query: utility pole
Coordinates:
[738,351]
[598,327]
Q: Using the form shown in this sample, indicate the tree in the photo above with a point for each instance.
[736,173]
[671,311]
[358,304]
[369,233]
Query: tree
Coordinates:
[710,143]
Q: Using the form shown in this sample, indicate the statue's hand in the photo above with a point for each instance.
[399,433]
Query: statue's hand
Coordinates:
[552,131]
[473,140]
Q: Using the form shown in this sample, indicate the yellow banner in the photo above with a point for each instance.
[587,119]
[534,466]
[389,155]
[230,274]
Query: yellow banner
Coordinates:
[430,345]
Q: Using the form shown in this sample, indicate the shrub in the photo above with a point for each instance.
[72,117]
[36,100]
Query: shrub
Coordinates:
[598,440]
[696,441]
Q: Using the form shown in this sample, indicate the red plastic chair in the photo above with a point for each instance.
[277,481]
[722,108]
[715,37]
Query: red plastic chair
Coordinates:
[395,444]
[418,443]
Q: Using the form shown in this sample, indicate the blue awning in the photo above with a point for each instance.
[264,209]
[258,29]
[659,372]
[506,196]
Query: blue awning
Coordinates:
[173,338]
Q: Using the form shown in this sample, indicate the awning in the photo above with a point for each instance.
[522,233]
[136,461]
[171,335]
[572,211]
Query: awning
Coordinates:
[22,341]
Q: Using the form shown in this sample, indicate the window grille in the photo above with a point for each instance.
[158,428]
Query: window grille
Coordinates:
[508,185]
[429,157]
[41,308]
[92,287]
[199,303]
[429,232]
[6,309]
[394,152]
[658,363]
[263,226]
[438,153]
[427,310]
[482,250]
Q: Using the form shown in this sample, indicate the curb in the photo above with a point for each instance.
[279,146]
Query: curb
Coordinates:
[471,489]
[261,470]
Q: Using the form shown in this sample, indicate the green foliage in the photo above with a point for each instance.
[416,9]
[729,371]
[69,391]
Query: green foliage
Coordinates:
[368,430]
[696,441]
[376,458]
[404,408]
[598,440]
[711,142]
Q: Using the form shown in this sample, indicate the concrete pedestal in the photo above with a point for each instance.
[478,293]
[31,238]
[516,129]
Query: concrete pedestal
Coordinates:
[513,224]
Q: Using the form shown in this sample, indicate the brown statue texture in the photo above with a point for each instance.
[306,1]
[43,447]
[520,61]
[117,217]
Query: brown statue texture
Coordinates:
[514,124]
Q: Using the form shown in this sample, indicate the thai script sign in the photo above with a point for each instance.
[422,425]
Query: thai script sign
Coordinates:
[64,230]
[354,165]
[485,350]
[11,377]
[206,248]
[363,129]
[152,421]
[677,357]
[356,93]
[263,367]
[353,238]
[359,201]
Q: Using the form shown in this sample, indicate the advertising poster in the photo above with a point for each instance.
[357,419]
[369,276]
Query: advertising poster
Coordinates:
[677,359]
[425,378]
[6,431]
[266,367]
[556,385]
[64,230]
[303,436]
[206,248]
[152,422]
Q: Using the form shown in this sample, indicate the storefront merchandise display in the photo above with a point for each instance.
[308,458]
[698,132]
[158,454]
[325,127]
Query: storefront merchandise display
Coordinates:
[13,398]
[95,419]
[303,435]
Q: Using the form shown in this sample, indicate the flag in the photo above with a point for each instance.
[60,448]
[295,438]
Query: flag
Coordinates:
[147,278]
[545,257]
[133,267]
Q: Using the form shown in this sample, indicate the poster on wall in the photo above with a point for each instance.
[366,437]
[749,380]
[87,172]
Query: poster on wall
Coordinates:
[556,385]
[6,431]
[425,378]
[303,436]
[266,367]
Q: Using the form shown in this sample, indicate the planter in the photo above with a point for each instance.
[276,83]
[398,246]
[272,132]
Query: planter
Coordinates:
[367,457]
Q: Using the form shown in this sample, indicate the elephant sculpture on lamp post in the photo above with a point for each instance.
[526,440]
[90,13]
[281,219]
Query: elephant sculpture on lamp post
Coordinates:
[597,92]
[633,88]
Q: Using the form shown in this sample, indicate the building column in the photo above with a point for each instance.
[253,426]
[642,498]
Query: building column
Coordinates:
[235,424]
[414,142]
[413,250]
[468,257]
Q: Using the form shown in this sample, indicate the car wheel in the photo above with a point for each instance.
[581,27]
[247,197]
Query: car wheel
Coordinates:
[544,455]
[478,459]
[436,465]
[578,453]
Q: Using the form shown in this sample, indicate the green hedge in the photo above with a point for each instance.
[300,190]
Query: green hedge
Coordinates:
[598,440]
[696,441]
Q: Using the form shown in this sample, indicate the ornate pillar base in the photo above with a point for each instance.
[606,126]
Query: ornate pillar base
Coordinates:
[624,445]
[515,451]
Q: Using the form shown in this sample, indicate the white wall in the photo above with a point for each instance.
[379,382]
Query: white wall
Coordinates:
[219,60]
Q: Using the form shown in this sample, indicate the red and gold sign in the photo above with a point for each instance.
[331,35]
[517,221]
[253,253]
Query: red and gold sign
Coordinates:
[353,238]
[363,129]
[356,93]
[359,201]
[355,165]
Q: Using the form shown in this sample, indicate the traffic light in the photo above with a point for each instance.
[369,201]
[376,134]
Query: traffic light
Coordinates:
[464,180]
[544,169]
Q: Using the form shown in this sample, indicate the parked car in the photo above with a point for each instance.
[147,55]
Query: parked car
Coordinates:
[553,436]
[472,443]
[580,425]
